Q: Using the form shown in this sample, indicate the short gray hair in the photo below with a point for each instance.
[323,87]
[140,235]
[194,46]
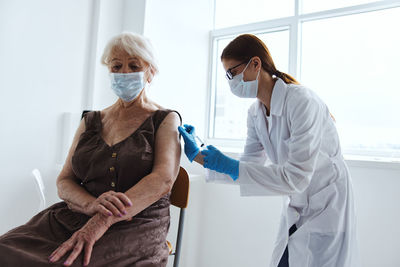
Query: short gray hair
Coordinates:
[135,45]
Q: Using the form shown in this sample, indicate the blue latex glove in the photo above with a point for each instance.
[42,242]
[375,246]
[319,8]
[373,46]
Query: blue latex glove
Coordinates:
[188,134]
[215,160]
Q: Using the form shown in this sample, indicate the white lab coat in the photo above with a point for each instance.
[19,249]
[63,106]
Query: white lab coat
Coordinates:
[295,152]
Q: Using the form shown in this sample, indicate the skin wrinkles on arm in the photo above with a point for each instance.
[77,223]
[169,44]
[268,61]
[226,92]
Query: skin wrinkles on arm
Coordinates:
[77,198]
[165,170]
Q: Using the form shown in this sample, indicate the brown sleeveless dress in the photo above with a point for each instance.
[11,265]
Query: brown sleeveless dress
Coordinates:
[100,168]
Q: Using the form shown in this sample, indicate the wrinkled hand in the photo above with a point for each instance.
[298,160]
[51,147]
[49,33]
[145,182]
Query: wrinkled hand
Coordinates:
[215,160]
[189,137]
[82,240]
[110,203]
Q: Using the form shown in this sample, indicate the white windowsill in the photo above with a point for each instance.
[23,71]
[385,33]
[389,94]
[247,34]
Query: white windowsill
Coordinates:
[352,161]
[371,162]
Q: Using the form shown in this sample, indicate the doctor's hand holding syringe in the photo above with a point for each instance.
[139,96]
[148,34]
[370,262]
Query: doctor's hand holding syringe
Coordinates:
[211,157]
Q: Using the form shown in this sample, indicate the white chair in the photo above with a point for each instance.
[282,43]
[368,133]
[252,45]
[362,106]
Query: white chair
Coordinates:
[39,188]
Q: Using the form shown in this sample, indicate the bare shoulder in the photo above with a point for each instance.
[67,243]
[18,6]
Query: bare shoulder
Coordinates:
[171,121]
[81,128]
[167,135]
[156,105]
[105,111]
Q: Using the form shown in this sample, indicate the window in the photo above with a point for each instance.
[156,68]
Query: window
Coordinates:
[236,12]
[348,55]
[309,6]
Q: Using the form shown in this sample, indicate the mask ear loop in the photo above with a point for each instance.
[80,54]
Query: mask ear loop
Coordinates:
[258,74]
[245,67]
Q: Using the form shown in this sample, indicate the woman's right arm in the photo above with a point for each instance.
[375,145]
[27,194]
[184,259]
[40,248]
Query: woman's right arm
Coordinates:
[69,190]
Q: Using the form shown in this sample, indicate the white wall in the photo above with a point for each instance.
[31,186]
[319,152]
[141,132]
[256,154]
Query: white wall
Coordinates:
[179,31]
[43,52]
[376,190]
[50,69]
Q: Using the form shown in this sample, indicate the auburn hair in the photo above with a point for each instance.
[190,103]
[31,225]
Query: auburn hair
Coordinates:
[246,46]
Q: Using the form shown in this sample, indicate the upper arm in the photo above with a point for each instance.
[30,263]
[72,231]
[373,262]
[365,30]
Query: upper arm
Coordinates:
[253,149]
[67,172]
[306,125]
[167,148]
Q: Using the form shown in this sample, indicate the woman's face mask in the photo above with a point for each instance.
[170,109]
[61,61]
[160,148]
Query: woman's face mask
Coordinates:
[127,86]
[244,89]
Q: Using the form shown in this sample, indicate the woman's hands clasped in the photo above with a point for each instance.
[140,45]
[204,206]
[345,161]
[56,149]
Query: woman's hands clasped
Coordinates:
[110,203]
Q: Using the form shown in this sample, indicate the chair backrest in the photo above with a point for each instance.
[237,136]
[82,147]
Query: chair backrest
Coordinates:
[180,190]
[84,112]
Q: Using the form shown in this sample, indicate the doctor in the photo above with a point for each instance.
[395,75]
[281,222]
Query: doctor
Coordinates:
[292,149]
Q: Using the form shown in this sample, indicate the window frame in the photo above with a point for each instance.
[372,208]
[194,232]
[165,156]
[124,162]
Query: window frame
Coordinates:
[293,24]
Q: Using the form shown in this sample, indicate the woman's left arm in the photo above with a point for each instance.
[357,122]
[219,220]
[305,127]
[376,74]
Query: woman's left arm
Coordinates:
[147,191]
[165,169]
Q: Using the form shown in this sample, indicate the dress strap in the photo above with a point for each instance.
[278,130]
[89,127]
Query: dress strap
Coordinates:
[160,115]
[93,121]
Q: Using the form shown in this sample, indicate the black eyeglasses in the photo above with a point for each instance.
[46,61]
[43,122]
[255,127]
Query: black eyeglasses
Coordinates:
[229,74]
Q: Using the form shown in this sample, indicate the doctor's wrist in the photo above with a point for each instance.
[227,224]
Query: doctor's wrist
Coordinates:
[193,154]
[199,158]
[230,166]
[234,169]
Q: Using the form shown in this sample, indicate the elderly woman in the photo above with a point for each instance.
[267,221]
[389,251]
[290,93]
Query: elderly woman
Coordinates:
[116,180]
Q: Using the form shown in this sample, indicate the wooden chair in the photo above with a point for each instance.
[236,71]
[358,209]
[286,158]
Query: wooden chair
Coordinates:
[179,198]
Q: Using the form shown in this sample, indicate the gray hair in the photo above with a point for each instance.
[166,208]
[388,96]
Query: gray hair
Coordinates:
[135,45]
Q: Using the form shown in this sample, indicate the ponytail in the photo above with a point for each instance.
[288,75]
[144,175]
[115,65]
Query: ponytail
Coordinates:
[285,77]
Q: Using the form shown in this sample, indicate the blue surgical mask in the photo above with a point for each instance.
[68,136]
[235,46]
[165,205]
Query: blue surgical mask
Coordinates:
[127,86]
[244,89]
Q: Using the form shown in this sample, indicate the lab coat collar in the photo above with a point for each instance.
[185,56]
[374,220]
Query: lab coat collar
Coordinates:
[277,99]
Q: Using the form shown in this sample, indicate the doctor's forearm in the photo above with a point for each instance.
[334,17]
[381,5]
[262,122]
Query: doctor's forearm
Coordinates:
[199,159]
[275,179]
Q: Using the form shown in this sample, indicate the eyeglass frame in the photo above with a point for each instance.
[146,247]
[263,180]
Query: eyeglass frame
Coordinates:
[229,74]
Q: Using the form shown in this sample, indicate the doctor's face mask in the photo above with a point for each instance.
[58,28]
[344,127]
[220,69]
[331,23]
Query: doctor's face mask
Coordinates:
[241,88]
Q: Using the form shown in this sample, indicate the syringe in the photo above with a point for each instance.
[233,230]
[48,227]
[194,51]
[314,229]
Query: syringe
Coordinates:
[201,142]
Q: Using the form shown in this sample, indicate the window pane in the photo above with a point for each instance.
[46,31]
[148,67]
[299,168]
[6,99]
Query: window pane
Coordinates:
[309,6]
[352,63]
[230,110]
[236,12]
